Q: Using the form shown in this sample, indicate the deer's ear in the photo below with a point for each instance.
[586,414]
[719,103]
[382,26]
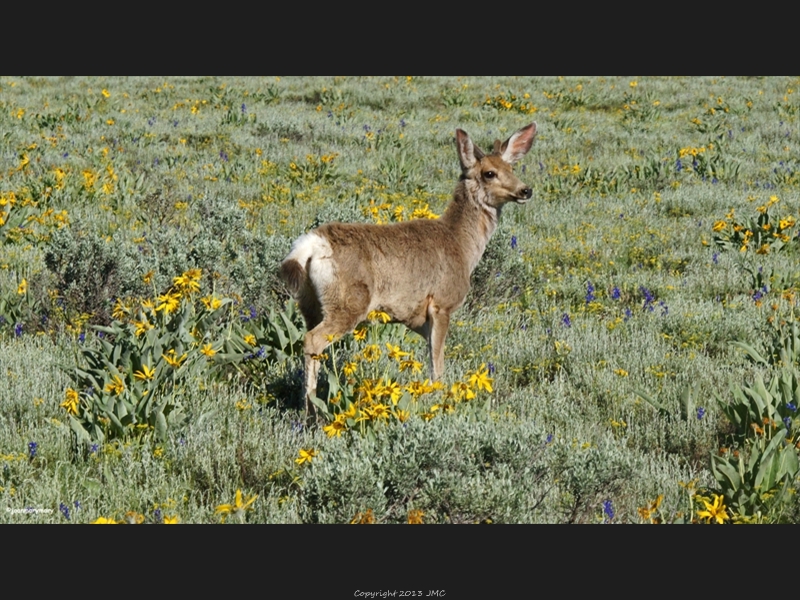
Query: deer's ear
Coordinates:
[518,144]
[468,153]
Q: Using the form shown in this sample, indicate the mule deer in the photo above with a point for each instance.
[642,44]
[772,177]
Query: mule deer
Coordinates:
[416,271]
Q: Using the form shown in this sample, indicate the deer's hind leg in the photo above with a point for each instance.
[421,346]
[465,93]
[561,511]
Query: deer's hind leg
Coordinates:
[339,318]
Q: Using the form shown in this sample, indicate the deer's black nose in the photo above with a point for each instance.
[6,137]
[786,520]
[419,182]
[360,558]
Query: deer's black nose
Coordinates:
[527,192]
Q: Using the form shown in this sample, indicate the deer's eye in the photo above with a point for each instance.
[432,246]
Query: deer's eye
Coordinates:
[490,174]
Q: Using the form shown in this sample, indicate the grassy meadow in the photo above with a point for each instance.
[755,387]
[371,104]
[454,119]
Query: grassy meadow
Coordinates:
[628,352]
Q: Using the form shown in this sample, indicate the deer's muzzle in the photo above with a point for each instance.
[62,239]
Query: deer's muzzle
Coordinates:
[524,195]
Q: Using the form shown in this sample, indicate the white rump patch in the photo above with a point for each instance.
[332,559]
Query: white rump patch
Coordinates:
[315,255]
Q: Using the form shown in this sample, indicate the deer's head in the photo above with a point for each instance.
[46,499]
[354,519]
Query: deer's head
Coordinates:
[489,176]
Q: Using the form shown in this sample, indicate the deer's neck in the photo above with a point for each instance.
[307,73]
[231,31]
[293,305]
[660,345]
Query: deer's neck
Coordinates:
[472,220]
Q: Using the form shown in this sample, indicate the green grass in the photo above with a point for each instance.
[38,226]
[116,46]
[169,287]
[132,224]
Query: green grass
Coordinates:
[221,174]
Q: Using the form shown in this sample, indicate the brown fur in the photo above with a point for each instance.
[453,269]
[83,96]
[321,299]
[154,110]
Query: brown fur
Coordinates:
[416,271]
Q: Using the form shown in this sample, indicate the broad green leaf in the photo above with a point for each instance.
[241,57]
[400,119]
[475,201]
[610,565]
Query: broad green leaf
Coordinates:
[752,352]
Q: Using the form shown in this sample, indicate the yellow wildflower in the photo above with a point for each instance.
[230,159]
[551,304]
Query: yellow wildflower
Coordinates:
[395,352]
[414,365]
[189,282]
[378,315]
[23,287]
[169,302]
[360,334]
[401,415]
[480,379]
[116,385]
[238,508]
[173,360]
[250,339]
[372,353]
[367,518]
[104,521]
[351,412]
[306,456]
[336,427]
[647,512]
[349,369]
[715,510]
[415,517]
[134,518]
[142,327]
[120,311]
[89,179]
[379,411]
[393,390]
[211,302]
[145,374]
[719,225]
[173,520]
[71,401]
[462,391]
[208,350]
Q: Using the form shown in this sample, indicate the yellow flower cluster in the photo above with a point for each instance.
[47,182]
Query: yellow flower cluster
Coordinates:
[510,101]
[765,232]
[387,212]
[189,282]
[649,512]
[692,151]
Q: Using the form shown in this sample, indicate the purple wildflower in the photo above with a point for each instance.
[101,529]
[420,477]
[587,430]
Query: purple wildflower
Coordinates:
[565,321]
[648,298]
[589,292]
[608,509]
